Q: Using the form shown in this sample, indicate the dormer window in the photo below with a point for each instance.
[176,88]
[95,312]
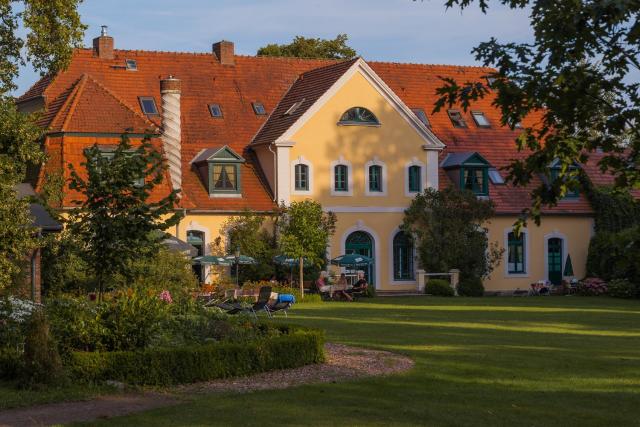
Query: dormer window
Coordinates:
[220,171]
[457,119]
[148,105]
[358,116]
[554,172]
[469,170]
[259,109]
[480,119]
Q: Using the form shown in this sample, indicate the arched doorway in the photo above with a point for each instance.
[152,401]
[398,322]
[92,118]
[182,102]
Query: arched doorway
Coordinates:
[554,260]
[361,242]
[196,239]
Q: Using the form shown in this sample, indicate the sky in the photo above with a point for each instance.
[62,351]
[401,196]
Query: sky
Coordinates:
[382,30]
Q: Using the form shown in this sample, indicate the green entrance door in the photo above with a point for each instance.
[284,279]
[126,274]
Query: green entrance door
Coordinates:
[361,243]
[554,260]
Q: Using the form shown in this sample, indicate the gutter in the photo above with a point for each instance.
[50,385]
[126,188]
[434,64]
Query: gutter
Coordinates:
[275,173]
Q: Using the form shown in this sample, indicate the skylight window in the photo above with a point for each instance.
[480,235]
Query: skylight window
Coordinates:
[294,107]
[148,105]
[480,119]
[490,81]
[419,112]
[456,119]
[215,110]
[495,177]
[258,108]
[131,64]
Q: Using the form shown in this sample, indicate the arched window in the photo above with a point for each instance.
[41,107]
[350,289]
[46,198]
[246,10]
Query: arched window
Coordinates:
[415,181]
[302,177]
[516,253]
[403,255]
[341,178]
[358,116]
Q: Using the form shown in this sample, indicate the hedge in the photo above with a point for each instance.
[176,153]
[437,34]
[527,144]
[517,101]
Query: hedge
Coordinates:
[295,347]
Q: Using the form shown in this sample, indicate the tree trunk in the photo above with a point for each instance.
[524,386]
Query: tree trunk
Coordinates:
[301,278]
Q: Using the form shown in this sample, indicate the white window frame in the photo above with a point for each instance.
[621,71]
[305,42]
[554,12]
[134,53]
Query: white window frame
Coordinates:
[527,252]
[301,161]
[375,162]
[423,176]
[332,181]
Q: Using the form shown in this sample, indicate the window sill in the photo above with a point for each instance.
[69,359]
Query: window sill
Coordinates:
[516,275]
[375,194]
[225,195]
[341,193]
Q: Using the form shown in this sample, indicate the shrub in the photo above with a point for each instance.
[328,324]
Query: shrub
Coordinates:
[439,287]
[11,363]
[294,347]
[615,255]
[471,287]
[592,286]
[622,288]
[14,316]
[42,363]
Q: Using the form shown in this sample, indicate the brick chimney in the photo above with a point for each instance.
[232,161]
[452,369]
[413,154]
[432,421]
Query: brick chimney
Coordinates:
[103,45]
[224,52]
[170,89]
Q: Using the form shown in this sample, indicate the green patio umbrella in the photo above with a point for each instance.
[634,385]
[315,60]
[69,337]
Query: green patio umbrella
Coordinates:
[352,260]
[568,267]
[286,261]
[211,260]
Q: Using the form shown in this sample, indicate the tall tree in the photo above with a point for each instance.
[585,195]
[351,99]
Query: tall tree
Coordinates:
[449,226]
[303,47]
[304,230]
[116,221]
[580,75]
[51,29]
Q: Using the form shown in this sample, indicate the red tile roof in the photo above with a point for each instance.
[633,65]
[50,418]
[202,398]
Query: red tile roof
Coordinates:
[275,82]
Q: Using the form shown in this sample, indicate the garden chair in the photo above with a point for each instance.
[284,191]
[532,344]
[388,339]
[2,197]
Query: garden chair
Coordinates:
[283,303]
[263,301]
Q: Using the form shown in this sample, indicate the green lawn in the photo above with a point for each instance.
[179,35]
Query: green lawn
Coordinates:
[489,361]
[15,397]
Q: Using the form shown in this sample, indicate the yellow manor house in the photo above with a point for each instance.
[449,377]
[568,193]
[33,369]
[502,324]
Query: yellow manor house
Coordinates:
[243,132]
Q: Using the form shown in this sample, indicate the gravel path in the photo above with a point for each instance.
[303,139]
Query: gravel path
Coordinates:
[343,364]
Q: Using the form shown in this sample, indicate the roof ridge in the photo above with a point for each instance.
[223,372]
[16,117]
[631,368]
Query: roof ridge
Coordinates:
[432,65]
[121,102]
[69,95]
[79,86]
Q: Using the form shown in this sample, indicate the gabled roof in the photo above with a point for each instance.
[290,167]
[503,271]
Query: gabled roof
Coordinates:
[453,160]
[308,88]
[90,107]
[218,153]
[315,87]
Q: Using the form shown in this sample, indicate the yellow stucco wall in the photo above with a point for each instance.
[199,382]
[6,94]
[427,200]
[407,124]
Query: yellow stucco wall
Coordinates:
[575,231]
[321,141]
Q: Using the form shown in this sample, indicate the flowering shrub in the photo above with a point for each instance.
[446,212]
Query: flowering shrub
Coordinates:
[16,310]
[166,296]
[622,288]
[592,286]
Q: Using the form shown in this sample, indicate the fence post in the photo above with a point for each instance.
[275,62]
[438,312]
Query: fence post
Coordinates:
[455,278]
[421,280]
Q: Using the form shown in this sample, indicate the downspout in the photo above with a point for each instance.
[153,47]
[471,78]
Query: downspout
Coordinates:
[275,173]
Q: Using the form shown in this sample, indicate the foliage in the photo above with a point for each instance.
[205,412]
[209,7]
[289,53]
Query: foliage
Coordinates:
[614,210]
[622,288]
[615,255]
[14,316]
[162,366]
[64,268]
[449,228]
[303,47]
[304,231]
[247,232]
[116,220]
[76,323]
[591,286]
[470,287]
[167,271]
[576,79]
[439,288]
[42,32]
[42,363]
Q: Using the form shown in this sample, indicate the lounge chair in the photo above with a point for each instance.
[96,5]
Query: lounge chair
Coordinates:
[283,303]
[263,301]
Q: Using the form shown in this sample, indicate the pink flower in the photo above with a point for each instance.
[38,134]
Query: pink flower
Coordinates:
[166,297]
